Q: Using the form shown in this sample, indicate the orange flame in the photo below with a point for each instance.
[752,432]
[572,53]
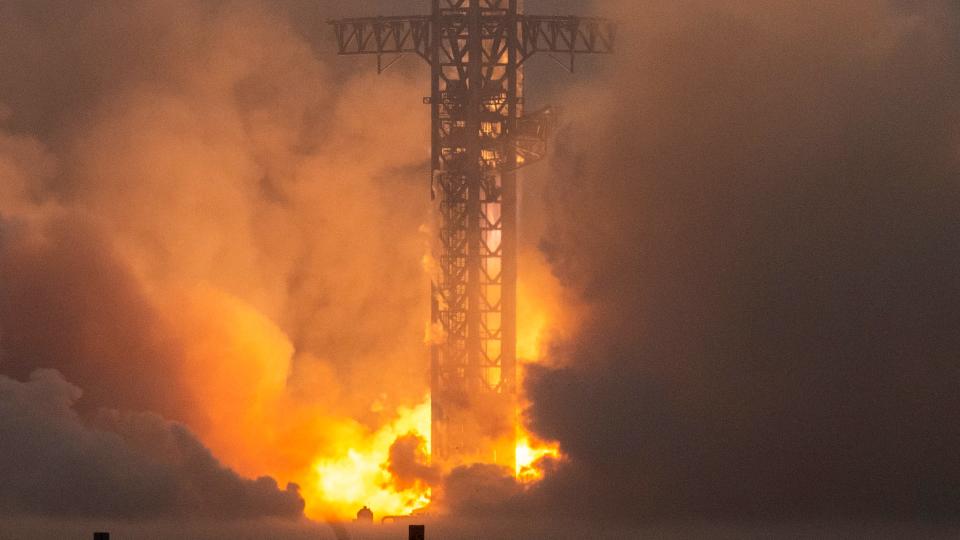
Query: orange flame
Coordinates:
[358,477]
[542,316]
[239,368]
[530,455]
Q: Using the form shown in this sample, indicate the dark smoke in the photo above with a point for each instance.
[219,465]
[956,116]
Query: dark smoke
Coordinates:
[409,463]
[129,466]
[761,211]
[482,490]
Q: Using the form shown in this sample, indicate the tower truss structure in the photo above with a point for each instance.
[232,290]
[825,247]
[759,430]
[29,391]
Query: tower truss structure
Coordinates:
[476,50]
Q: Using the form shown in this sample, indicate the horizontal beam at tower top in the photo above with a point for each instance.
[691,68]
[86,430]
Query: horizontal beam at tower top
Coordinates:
[415,34]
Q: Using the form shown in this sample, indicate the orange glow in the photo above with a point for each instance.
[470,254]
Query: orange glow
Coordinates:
[239,367]
[530,454]
[542,315]
[358,476]
[532,320]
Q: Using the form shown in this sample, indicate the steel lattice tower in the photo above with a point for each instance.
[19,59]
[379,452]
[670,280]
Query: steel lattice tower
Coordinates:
[480,137]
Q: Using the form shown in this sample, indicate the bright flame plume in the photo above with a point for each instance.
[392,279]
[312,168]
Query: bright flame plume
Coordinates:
[359,476]
[530,456]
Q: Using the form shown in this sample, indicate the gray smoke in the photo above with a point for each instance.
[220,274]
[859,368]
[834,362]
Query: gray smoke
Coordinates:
[129,465]
[760,208]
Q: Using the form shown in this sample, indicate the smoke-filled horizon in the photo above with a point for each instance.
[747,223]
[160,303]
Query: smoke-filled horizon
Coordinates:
[214,247]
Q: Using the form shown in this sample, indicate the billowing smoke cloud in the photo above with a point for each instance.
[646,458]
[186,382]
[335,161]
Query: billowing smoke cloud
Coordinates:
[68,302]
[408,463]
[760,207]
[204,220]
[131,465]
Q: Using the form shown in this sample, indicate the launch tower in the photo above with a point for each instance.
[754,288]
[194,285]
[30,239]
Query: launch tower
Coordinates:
[476,50]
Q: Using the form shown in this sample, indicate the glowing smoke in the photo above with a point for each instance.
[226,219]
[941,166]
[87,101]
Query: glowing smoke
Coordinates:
[215,218]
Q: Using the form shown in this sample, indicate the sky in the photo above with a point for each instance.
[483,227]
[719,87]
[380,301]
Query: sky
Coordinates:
[740,260]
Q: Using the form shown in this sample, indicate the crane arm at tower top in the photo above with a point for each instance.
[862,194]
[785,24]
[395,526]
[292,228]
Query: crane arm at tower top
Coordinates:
[535,33]
[564,35]
[384,35]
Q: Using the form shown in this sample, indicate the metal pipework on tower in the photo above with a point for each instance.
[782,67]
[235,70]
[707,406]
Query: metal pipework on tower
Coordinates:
[476,50]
